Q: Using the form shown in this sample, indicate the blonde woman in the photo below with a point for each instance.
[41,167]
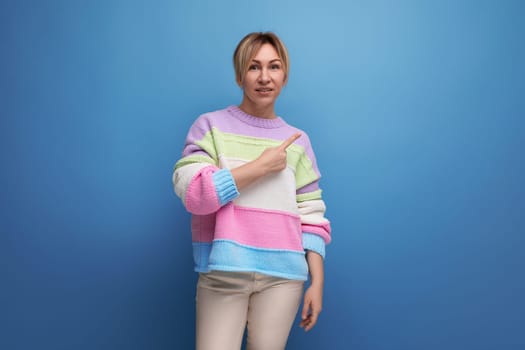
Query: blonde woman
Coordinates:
[251,183]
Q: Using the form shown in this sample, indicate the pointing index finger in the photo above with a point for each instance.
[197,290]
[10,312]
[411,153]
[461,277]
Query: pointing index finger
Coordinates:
[290,140]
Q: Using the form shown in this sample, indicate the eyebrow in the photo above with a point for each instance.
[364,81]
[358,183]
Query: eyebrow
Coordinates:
[271,61]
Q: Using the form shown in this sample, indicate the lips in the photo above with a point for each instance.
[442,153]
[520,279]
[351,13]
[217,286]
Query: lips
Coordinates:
[263,89]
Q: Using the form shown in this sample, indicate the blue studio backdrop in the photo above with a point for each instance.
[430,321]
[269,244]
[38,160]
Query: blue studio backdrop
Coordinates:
[416,112]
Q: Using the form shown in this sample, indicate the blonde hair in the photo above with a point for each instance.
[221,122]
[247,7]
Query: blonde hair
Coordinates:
[248,48]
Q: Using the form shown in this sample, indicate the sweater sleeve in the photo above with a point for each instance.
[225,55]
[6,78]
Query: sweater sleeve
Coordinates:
[316,230]
[315,227]
[197,179]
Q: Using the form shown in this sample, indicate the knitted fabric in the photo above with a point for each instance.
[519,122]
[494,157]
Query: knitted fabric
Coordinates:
[268,226]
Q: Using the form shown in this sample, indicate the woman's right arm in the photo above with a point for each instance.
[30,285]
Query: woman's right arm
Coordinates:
[197,179]
[271,160]
[203,187]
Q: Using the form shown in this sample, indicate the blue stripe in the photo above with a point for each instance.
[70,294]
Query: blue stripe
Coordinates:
[201,252]
[314,243]
[225,186]
[224,255]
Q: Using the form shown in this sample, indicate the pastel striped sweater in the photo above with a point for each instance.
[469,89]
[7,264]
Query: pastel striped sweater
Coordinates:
[268,226]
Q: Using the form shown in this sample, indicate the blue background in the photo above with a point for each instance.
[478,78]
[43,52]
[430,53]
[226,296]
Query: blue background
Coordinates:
[416,112]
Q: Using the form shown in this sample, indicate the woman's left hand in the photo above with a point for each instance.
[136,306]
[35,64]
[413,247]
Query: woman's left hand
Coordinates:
[313,304]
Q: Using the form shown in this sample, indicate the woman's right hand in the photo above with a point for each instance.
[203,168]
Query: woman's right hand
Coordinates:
[273,159]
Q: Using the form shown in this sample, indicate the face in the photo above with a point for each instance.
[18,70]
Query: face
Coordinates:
[264,79]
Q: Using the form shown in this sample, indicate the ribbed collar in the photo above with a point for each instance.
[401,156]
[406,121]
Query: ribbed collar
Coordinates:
[256,121]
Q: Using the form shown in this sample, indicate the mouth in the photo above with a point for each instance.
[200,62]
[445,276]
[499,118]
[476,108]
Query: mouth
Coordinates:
[264,90]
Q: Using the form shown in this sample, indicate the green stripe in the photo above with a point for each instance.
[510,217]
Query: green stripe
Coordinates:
[208,144]
[304,172]
[217,143]
[193,159]
[248,148]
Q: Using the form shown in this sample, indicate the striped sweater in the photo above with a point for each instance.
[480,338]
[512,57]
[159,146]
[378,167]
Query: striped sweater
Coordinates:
[268,226]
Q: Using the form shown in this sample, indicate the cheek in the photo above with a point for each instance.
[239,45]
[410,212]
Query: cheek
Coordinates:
[248,81]
[281,79]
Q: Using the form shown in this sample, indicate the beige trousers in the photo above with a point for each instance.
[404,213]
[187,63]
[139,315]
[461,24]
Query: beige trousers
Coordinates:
[229,302]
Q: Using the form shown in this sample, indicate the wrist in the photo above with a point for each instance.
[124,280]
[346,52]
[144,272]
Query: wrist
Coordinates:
[316,282]
[259,168]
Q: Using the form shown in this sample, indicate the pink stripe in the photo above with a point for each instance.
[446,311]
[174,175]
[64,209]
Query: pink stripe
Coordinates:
[259,228]
[202,227]
[321,230]
[201,197]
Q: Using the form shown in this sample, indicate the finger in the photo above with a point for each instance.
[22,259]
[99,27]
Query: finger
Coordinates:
[313,321]
[306,307]
[290,140]
[303,323]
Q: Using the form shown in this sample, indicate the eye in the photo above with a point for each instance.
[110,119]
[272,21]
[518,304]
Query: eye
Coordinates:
[275,66]
[253,67]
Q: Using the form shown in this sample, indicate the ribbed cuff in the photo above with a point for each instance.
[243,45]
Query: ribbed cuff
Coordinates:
[225,186]
[314,243]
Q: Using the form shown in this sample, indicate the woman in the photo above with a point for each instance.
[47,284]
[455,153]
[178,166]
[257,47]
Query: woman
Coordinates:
[250,181]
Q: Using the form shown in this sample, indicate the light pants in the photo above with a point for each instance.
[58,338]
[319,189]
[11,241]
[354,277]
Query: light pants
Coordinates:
[229,302]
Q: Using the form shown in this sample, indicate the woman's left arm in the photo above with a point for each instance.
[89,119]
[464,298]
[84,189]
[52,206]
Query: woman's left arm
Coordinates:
[313,298]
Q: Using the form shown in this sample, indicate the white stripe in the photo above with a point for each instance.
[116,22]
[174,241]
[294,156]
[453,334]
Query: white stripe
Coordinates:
[182,177]
[312,212]
[274,192]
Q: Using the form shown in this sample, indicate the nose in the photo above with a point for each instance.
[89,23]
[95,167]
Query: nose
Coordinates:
[264,77]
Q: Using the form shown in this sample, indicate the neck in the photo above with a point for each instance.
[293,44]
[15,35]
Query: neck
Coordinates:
[266,112]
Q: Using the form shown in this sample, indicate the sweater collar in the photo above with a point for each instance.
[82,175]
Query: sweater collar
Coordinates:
[255,121]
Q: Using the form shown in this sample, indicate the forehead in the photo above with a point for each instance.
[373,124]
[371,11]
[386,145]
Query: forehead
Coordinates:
[266,53]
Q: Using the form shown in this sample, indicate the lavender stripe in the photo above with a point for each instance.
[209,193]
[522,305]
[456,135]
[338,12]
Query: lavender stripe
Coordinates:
[235,121]
[314,186]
